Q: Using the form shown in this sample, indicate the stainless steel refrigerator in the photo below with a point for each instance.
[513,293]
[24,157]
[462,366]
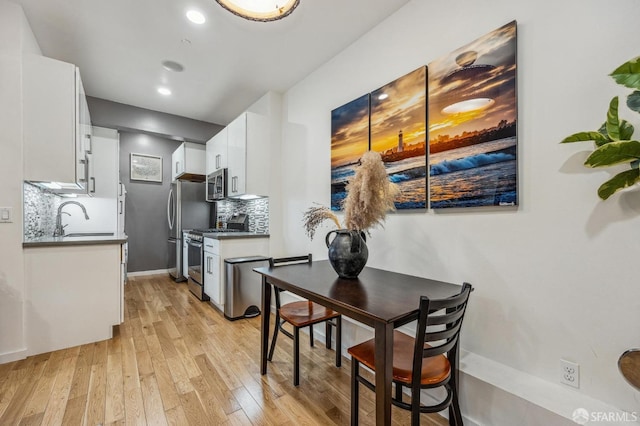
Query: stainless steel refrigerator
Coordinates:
[186,209]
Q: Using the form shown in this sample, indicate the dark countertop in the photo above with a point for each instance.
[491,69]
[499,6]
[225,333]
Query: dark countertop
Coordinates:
[232,235]
[76,241]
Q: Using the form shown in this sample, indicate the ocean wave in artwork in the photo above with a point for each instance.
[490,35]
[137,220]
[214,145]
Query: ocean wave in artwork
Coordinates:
[471,162]
[409,174]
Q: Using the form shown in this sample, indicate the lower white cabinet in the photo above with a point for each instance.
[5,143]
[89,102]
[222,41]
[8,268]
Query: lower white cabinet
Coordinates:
[212,283]
[185,256]
[216,251]
[73,295]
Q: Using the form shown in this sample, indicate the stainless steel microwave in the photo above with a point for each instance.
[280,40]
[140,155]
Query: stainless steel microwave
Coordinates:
[217,185]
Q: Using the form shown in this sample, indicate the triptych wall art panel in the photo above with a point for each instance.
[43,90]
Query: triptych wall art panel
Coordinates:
[349,140]
[472,123]
[399,134]
[471,140]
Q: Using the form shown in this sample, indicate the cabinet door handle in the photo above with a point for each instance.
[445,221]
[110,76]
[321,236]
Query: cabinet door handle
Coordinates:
[234,184]
[218,161]
[93,184]
[120,207]
[89,143]
[177,162]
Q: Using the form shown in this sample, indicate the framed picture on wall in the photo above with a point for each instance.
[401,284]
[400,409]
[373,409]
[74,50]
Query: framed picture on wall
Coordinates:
[147,168]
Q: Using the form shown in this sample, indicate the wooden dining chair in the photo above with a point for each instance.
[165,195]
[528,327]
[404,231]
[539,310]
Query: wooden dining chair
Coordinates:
[303,314]
[420,362]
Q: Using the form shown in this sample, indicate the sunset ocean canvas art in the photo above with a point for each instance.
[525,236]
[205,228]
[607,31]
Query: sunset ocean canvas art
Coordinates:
[398,133]
[472,123]
[349,140]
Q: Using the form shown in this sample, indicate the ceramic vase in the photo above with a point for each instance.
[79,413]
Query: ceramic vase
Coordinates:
[348,252]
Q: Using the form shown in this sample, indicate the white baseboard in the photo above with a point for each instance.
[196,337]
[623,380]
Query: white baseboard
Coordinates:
[13,356]
[142,273]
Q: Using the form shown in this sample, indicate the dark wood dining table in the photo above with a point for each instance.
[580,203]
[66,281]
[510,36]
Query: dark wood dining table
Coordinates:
[378,298]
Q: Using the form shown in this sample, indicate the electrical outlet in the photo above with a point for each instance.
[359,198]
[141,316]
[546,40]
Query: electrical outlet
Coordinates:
[5,215]
[569,373]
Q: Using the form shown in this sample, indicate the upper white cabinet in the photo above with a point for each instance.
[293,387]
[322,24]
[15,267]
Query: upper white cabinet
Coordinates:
[217,151]
[188,162]
[57,125]
[105,166]
[248,156]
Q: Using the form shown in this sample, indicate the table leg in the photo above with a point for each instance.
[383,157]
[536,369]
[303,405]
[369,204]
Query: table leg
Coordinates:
[264,325]
[384,372]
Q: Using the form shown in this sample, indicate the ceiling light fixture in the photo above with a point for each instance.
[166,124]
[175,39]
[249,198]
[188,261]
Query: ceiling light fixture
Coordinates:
[260,10]
[383,96]
[164,91]
[196,17]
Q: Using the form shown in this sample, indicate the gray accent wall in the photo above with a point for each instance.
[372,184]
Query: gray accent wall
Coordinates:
[146,202]
[119,116]
[143,131]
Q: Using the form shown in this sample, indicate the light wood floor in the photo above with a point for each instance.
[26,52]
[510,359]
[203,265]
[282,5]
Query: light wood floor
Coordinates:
[178,361]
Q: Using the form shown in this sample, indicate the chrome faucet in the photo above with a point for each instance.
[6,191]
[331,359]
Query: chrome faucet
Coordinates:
[59,231]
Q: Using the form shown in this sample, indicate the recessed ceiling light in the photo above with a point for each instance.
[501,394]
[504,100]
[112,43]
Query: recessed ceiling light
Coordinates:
[172,66]
[196,17]
[164,91]
[383,96]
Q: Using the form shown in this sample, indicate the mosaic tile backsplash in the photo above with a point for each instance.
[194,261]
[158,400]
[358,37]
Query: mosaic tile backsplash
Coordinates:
[258,211]
[39,212]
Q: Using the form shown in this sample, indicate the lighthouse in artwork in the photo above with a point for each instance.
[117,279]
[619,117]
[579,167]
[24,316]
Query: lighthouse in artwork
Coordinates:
[400,142]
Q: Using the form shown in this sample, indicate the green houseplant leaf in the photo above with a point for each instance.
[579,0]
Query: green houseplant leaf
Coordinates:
[618,182]
[628,74]
[614,153]
[613,124]
[626,130]
[633,101]
[597,137]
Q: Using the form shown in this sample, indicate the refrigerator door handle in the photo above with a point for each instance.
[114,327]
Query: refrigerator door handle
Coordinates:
[169,209]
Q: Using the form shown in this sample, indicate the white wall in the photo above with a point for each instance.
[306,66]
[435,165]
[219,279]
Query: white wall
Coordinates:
[555,277]
[15,38]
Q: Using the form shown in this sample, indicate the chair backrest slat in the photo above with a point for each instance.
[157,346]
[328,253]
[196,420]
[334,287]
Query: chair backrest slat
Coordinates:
[437,332]
[279,261]
[292,260]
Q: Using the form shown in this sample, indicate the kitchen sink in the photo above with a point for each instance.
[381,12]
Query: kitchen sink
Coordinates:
[89,234]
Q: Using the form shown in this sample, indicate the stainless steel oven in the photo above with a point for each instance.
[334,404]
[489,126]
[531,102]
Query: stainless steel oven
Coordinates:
[217,185]
[195,257]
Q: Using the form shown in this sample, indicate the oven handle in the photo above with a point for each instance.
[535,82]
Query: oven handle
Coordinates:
[195,244]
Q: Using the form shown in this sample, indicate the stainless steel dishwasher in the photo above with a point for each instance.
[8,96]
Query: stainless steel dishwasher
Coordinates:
[243,287]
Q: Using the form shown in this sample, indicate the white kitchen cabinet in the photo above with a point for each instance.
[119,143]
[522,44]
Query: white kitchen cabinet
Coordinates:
[217,151]
[122,198]
[189,162]
[185,255]
[105,162]
[74,295]
[249,156]
[216,251]
[212,283]
[56,123]
[124,258]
